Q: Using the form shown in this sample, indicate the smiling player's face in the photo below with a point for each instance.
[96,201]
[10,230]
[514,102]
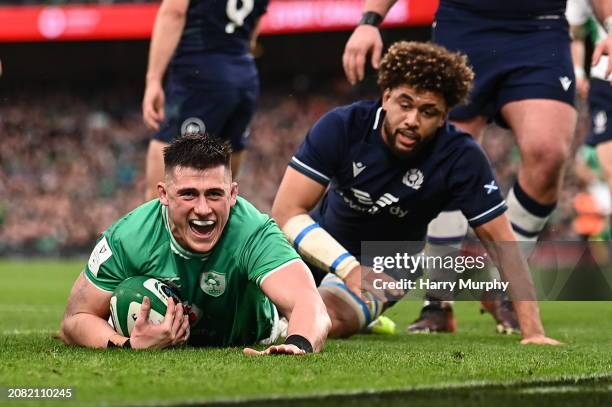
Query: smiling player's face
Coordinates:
[412,118]
[199,204]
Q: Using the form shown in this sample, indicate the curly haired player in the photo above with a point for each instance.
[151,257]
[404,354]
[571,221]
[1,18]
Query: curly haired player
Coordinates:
[382,171]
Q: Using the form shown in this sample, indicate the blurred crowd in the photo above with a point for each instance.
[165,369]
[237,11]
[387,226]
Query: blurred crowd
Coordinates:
[71,163]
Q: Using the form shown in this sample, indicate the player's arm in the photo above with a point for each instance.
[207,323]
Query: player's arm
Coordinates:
[292,289]
[578,52]
[167,31]
[297,195]
[254,35]
[497,236]
[603,12]
[365,39]
[84,322]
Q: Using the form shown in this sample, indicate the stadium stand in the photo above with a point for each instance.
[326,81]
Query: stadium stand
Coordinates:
[72,162]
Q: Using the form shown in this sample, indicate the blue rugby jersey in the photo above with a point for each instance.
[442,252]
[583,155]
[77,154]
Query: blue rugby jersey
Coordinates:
[220,25]
[375,196]
[214,48]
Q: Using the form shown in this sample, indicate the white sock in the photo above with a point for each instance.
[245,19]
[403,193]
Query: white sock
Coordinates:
[444,238]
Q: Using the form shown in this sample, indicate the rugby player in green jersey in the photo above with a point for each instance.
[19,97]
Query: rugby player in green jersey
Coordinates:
[233,269]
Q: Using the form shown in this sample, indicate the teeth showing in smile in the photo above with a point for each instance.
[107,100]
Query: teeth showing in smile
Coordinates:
[202,222]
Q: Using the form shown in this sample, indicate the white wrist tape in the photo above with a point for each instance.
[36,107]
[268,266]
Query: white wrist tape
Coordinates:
[317,246]
[579,72]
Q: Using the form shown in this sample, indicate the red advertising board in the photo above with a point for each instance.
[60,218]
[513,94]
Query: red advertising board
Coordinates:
[135,21]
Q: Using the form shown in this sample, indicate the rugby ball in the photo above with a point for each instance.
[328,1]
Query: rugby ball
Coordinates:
[127,299]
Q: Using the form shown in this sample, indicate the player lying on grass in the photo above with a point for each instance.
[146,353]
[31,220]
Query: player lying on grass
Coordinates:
[382,170]
[199,228]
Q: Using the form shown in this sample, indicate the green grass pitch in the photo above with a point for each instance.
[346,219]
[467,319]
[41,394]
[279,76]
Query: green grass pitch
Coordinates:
[474,366]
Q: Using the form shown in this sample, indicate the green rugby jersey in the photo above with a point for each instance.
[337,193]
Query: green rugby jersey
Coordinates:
[220,287]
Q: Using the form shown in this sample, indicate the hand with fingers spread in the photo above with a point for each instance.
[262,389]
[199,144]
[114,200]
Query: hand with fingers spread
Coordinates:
[365,39]
[153,112]
[174,330]
[285,349]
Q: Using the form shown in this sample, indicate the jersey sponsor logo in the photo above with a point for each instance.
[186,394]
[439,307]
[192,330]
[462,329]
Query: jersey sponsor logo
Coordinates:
[565,82]
[212,283]
[490,187]
[600,121]
[365,199]
[357,168]
[385,200]
[99,255]
[362,197]
[413,178]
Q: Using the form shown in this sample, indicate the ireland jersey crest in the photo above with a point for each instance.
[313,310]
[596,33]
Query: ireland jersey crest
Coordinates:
[212,283]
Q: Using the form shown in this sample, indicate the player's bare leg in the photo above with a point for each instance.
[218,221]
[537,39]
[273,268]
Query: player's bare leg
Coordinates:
[154,168]
[544,131]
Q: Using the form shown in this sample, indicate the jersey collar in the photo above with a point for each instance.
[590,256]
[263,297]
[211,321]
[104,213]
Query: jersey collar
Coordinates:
[175,246]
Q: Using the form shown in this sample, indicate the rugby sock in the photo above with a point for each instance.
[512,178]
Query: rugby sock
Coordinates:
[444,237]
[527,216]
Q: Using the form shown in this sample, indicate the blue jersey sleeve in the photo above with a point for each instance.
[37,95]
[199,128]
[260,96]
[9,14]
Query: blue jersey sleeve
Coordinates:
[320,155]
[474,189]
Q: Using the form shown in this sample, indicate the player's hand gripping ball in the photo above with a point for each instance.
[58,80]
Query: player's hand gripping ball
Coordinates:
[127,299]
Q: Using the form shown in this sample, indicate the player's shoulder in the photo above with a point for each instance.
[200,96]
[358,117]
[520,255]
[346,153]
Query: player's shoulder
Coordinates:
[138,226]
[360,112]
[354,119]
[245,218]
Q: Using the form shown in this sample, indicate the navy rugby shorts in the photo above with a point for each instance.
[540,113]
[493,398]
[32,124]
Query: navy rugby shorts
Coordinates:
[513,59]
[226,111]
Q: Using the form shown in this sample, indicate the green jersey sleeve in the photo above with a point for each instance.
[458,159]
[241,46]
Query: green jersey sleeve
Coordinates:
[105,268]
[266,250]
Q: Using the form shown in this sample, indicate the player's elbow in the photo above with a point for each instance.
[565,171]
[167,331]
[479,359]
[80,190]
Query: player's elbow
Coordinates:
[66,329]
[321,320]
[325,320]
[324,324]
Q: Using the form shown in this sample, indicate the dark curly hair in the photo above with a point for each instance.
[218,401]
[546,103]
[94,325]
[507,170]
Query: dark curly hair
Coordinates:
[199,151]
[427,67]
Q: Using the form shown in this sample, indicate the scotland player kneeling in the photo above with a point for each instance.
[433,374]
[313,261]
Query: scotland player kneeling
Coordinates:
[382,171]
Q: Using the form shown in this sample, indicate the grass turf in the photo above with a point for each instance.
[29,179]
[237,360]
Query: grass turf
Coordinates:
[472,365]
